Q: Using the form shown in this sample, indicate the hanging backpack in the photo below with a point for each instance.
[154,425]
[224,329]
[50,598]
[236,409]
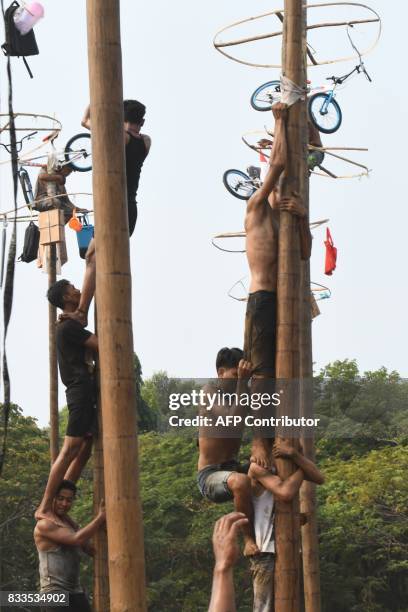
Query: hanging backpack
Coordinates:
[31,243]
[16,44]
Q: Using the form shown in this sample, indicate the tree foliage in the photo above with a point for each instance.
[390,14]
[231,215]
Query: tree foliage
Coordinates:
[363,521]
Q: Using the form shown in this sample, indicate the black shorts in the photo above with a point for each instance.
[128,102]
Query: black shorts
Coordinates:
[78,602]
[81,418]
[260,332]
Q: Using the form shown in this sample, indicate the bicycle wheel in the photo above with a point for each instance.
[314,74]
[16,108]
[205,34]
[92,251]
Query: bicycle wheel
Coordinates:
[238,184]
[78,153]
[26,186]
[266,95]
[325,117]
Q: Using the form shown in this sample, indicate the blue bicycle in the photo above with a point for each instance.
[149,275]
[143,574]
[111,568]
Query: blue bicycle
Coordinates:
[324,111]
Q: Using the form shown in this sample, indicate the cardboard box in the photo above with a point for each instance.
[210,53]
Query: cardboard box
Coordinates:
[52,228]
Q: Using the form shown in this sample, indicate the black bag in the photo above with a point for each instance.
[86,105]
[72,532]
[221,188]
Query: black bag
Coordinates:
[16,44]
[31,243]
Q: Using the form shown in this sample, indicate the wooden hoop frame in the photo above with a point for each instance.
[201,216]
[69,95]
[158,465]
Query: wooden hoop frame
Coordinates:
[313,225]
[221,45]
[327,150]
[318,287]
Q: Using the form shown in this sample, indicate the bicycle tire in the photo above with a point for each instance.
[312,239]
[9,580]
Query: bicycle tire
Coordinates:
[69,150]
[26,186]
[236,189]
[272,93]
[317,118]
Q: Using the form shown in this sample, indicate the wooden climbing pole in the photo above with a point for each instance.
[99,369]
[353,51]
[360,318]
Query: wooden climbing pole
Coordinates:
[287,526]
[53,365]
[310,544]
[101,569]
[52,342]
[113,293]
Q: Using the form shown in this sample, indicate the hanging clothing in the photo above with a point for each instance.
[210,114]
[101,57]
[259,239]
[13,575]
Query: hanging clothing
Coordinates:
[263,521]
[331,254]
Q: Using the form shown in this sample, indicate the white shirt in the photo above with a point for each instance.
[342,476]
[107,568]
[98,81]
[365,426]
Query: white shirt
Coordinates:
[263,521]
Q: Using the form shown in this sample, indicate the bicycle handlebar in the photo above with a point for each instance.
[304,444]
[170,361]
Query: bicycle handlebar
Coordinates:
[19,143]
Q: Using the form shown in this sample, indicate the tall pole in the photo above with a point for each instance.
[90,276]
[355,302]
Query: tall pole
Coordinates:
[101,568]
[287,355]
[310,543]
[53,367]
[52,343]
[113,294]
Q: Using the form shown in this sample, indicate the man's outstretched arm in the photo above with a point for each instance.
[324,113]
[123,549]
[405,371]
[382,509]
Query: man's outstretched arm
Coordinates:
[283,450]
[277,160]
[226,553]
[283,490]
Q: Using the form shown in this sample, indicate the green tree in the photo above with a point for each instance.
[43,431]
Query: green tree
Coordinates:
[21,486]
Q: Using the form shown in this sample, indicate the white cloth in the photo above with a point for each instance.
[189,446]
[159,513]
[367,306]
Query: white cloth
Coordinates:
[263,521]
[290,92]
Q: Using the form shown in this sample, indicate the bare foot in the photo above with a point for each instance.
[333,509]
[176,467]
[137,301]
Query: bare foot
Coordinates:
[250,548]
[78,315]
[259,454]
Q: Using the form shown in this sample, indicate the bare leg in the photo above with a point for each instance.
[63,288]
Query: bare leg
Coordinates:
[67,454]
[261,445]
[77,465]
[240,485]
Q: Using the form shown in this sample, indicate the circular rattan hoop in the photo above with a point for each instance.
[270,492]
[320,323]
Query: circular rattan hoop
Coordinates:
[226,235]
[315,289]
[220,45]
[365,171]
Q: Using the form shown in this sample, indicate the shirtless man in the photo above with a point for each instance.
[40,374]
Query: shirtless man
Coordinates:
[220,476]
[262,234]
[59,547]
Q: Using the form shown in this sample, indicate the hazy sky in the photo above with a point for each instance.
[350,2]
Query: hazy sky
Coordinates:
[197,109]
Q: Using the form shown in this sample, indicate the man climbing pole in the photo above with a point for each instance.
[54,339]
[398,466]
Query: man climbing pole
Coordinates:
[267,487]
[75,348]
[220,476]
[59,545]
[262,235]
[137,147]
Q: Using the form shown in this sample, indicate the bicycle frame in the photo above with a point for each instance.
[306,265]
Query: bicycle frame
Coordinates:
[331,93]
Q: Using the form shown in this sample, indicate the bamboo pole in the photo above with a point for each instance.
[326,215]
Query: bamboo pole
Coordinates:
[310,544]
[101,569]
[113,294]
[287,355]
[53,365]
[52,343]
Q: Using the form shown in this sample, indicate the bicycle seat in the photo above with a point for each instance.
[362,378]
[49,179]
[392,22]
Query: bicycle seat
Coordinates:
[254,172]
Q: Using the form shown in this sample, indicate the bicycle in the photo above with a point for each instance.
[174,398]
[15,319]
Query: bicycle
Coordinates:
[76,154]
[324,111]
[242,185]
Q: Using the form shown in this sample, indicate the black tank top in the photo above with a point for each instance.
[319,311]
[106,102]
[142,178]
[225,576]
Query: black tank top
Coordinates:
[136,153]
